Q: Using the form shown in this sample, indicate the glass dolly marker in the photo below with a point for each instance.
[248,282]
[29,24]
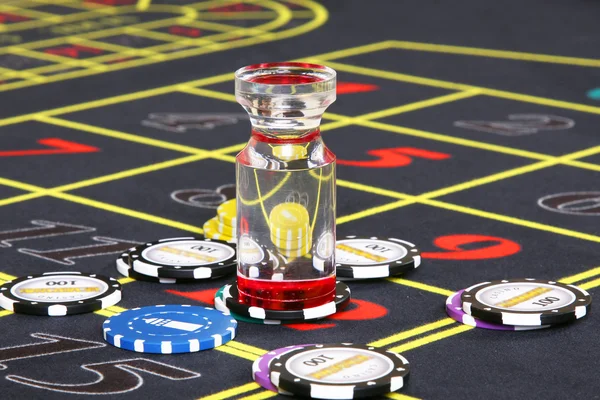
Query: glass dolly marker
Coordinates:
[285,188]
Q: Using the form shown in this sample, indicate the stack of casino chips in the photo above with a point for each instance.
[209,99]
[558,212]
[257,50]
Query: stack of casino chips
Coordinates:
[291,235]
[178,260]
[223,225]
[518,304]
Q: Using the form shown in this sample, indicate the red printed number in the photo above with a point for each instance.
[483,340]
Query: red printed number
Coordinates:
[184,31]
[6,17]
[72,51]
[358,310]
[497,247]
[394,157]
[57,146]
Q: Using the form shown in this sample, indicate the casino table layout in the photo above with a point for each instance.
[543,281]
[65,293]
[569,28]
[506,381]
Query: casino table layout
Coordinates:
[468,128]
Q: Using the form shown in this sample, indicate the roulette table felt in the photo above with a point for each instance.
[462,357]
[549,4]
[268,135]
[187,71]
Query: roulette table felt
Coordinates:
[469,129]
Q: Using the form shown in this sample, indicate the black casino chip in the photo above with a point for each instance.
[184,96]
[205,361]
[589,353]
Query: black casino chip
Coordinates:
[184,258]
[125,270]
[59,293]
[339,371]
[526,302]
[341,300]
[373,257]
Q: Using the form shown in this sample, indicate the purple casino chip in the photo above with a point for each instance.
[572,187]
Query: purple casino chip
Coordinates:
[455,311]
[260,367]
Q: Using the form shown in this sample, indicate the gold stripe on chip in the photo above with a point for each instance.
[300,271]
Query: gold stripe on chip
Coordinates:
[340,366]
[523,297]
[190,254]
[361,253]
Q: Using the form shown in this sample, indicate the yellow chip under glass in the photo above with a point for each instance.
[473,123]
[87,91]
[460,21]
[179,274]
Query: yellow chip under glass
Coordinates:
[211,231]
[290,152]
[295,253]
[295,244]
[227,212]
[289,216]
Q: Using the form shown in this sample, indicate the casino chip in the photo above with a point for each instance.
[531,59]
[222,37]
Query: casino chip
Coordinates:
[124,269]
[59,293]
[167,329]
[342,298]
[227,212]
[260,367]
[527,302]
[184,258]
[455,311]
[339,371]
[221,306]
[372,257]
[211,231]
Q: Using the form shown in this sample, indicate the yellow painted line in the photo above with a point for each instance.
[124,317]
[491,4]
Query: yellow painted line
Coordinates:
[372,189]
[143,5]
[124,281]
[412,332]
[207,93]
[223,157]
[6,277]
[120,135]
[582,164]
[354,51]
[225,394]
[590,285]
[510,55]
[460,86]
[454,140]
[129,173]
[581,276]
[4,313]
[510,220]
[436,101]
[114,100]
[229,149]
[372,211]
[265,394]
[237,353]
[431,338]
[20,198]
[283,13]
[247,348]
[105,313]
[128,212]
[489,179]
[20,185]
[400,396]
[116,309]
[421,286]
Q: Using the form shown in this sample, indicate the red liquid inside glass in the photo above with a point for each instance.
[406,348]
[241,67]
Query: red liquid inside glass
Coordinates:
[300,292]
[285,79]
[286,295]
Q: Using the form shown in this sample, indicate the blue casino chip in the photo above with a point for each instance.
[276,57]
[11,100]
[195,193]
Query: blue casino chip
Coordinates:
[167,329]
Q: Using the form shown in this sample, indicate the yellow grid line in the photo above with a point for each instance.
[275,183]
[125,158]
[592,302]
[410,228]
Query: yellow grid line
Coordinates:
[265,394]
[444,334]
[458,86]
[143,5]
[581,276]
[590,285]
[431,338]
[225,394]
[320,18]
[397,337]
[283,15]
[489,53]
